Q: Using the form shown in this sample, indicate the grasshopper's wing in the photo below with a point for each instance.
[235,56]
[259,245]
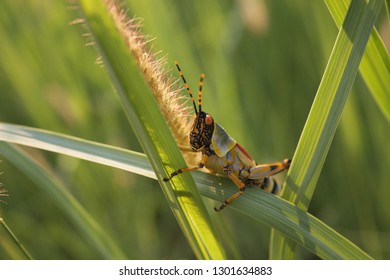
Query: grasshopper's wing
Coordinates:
[222,142]
[244,156]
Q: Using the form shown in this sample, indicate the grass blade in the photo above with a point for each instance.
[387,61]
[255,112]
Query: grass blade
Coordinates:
[152,132]
[75,147]
[375,65]
[326,111]
[271,210]
[15,239]
[387,2]
[291,221]
[87,225]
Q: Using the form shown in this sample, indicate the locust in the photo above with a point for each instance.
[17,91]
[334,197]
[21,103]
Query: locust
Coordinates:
[221,154]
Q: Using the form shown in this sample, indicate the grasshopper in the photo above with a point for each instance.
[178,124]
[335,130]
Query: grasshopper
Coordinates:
[223,155]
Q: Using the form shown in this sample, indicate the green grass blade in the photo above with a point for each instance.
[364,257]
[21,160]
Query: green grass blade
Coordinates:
[15,239]
[76,147]
[375,64]
[387,2]
[290,221]
[87,225]
[152,131]
[325,113]
[271,210]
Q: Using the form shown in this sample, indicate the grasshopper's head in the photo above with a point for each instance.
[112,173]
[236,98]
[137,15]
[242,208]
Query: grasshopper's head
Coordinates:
[203,127]
[202,131]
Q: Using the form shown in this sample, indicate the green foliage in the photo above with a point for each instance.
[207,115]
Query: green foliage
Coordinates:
[261,79]
[327,108]
[291,221]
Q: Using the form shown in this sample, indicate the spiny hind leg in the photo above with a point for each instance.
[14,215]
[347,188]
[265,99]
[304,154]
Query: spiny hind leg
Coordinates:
[241,186]
[262,171]
[266,170]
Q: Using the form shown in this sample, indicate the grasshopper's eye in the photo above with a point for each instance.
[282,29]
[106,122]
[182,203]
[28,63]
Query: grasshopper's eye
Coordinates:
[209,119]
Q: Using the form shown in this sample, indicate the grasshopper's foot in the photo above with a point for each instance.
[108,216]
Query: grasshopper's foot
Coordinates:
[286,163]
[173,174]
[220,208]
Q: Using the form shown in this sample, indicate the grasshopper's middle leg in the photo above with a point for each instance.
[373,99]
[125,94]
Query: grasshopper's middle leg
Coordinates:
[241,186]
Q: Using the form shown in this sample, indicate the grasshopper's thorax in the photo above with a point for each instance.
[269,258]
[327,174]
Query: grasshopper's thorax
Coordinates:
[202,132]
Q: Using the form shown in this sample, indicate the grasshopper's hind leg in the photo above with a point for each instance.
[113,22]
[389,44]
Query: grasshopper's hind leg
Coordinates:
[266,170]
[258,172]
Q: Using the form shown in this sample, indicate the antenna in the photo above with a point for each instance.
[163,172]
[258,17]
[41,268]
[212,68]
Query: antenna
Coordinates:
[188,88]
[200,92]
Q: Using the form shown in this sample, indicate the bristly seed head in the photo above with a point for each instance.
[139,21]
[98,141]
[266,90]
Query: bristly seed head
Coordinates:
[3,192]
[164,86]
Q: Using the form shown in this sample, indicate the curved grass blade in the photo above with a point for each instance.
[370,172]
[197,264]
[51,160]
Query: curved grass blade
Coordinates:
[273,211]
[76,147]
[375,64]
[87,225]
[152,132]
[325,113]
[15,239]
[292,222]
[387,2]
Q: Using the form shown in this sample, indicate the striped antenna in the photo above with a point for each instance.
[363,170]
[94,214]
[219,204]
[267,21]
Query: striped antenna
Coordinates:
[200,92]
[186,85]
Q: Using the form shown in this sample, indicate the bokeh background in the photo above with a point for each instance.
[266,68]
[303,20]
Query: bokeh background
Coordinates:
[263,62]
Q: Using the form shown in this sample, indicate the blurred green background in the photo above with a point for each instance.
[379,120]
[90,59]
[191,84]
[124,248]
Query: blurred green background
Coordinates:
[263,62]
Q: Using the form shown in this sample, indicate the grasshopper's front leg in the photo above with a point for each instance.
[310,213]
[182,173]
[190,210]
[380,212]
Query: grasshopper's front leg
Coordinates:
[201,164]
